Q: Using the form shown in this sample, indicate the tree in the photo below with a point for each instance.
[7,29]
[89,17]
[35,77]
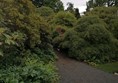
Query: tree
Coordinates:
[70,7]
[98,3]
[112,2]
[59,6]
[56,5]
[38,3]
[73,10]
[77,14]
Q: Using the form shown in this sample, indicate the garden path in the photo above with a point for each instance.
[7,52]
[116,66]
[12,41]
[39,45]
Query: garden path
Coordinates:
[72,71]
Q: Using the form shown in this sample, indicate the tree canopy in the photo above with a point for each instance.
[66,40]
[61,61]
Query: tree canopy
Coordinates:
[56,5]
[98,3]
[73,10]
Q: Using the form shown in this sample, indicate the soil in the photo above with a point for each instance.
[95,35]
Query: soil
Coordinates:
[72,71]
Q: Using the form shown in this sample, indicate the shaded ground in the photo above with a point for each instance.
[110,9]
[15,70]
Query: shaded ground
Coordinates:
[72,71]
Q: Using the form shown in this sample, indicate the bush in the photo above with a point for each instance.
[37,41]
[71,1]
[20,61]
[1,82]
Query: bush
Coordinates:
[33,70]
[45,55]
[109,15]
[65,19]
[57,34]
[105,13]
[60,24]
[91,41]
[26,54]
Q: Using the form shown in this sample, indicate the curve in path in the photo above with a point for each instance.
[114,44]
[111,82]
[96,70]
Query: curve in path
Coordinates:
[72,71]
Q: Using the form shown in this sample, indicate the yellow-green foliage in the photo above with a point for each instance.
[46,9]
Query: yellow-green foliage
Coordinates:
[65,19]
[26,54]
[23,17]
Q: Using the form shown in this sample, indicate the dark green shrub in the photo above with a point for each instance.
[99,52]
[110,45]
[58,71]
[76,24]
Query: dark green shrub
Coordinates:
[57,34]
[60,23]
[105,13]
[109,15]
[114,27]
[45,55]
[32,71]
[91,41]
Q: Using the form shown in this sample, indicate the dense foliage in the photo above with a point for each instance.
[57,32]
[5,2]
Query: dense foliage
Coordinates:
[99,3]
[56,5]
[32,69]
[64,19]
[26,54]
[91,41]
[29,29]
[109,15]
[93,38]
[73,10]
[46,12]
[60,23]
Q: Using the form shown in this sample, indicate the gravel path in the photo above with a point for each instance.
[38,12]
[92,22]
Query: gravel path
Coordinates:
[72,71]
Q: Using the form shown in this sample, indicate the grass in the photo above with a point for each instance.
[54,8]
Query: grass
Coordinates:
[109,67]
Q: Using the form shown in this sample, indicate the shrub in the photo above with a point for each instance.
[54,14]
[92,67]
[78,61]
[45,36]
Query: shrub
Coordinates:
[65,19]
[57,34]
[109,15]
[105,13]
[114,27]
[33,70]
[91,41]
[60,24]
[26,54]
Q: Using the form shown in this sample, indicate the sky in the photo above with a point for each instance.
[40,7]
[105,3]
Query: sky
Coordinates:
[81,4]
